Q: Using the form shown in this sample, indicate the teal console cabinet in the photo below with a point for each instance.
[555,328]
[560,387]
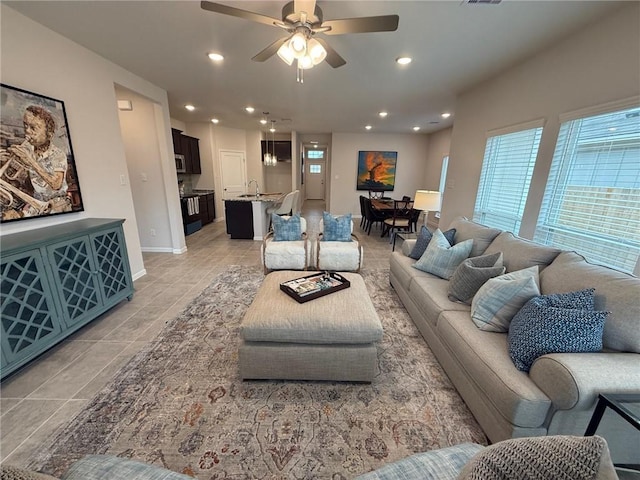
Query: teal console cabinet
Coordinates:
[55,280]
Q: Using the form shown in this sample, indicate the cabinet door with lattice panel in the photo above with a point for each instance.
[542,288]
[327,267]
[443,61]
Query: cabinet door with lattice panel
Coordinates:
[76,279]
[29,315]
[113,266]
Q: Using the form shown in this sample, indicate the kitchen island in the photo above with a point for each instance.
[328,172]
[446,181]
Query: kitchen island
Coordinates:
[246,215]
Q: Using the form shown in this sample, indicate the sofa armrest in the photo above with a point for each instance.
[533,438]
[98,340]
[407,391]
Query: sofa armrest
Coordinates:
[443,464]
[573,380]
[407,246]
[107,467]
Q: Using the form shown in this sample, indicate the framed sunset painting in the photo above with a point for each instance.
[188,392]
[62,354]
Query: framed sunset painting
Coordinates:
[376,170]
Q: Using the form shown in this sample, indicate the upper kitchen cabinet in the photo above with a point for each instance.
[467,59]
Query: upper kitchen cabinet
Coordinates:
[282,149]
[190,148]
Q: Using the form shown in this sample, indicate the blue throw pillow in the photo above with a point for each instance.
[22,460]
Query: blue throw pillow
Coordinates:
[441,258]
[424,237]
[286,229]
[559,323]
[336,229]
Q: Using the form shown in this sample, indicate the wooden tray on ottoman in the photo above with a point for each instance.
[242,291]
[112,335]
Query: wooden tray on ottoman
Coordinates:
[314,286]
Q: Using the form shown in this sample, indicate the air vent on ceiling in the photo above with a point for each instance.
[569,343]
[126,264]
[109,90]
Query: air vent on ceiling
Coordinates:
[483,2]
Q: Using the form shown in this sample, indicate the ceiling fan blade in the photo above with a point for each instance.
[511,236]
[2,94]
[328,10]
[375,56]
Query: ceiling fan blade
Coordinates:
[333,58]
[308,6]
[236,12]
[383,23]
[270,50]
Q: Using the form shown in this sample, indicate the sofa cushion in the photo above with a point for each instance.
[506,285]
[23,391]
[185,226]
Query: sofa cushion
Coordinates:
[443,464]
[484,358]
[561,457]
[430,294]
[482,235]
[441,258]
[471,274]
[424,237]
[336,229]
[520,253]
[500,298]
[558,323]
[286,229]
[616,292]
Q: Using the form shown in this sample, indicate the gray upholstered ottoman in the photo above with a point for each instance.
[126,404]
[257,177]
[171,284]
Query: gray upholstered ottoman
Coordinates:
[329,338]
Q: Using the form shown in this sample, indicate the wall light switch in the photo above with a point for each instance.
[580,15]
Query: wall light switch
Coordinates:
[123,180]
[143,177]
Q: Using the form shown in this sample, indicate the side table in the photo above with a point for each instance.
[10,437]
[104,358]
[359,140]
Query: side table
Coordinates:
[616,402]
[404,236]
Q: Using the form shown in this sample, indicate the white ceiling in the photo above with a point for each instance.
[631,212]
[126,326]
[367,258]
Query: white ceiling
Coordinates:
[454,45]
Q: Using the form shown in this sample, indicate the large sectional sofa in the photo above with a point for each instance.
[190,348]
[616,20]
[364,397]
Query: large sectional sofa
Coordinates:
[559,393]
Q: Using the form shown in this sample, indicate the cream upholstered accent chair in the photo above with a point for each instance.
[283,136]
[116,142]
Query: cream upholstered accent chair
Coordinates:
[341,251]
[286,206]
[285,247]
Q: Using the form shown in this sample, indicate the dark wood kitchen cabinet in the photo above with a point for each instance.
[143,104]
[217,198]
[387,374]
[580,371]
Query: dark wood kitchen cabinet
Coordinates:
[207,208]
[239,216]
[190,148]
[281,147]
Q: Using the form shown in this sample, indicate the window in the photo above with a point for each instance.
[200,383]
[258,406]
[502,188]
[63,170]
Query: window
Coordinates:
[315,168]
[505,178]
[592,200]
[315,153]
[443,174]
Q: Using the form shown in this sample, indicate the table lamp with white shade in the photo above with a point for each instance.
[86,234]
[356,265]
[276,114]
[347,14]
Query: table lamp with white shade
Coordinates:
[427,201]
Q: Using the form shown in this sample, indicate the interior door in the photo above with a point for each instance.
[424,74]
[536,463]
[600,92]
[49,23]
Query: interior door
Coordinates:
[233,173]
[315,176]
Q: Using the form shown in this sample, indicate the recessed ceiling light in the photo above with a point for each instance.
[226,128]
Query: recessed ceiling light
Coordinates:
[403,60]
[416,128]
[215,120]
[190,107]
[446,115]
[216,57]
[368,127]
[383,114]
[250,109]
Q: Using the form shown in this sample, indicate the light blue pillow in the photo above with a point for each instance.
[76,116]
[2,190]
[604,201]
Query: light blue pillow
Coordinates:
[558,323]
[501,297]
[286,229]
[424,237]
[441,258]
[336,229]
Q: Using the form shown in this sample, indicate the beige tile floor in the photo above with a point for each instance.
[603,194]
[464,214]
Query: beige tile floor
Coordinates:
[47,393]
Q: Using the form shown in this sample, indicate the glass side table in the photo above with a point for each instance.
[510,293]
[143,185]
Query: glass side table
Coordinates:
[616,402]
[403,236]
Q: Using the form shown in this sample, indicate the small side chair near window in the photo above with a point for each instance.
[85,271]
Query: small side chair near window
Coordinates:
[337,247]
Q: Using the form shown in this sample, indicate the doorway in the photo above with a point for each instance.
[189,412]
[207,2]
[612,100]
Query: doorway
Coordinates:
[233,173]
[315,173]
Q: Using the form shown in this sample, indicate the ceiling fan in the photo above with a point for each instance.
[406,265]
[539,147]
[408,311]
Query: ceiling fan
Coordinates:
[303,19]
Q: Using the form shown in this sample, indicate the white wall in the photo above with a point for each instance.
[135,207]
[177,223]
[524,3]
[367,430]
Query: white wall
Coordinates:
[600,64]
[412,158]
[142,153]
[85,82]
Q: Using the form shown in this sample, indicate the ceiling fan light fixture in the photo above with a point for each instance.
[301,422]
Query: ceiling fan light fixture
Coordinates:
[286,54]
[305,62]
[298,45]
[316,51]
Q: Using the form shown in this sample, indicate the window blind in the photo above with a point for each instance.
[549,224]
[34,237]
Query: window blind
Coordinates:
[592,199]
[505,178]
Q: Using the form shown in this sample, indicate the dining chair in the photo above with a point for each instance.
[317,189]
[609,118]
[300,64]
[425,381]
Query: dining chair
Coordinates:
[363,218]
[400,219]
[373,216]
[376,193]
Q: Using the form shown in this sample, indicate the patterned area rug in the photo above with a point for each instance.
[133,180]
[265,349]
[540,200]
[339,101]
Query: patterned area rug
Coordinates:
[180,403]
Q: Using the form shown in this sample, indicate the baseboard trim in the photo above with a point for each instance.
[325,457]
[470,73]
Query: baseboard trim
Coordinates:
[139,274]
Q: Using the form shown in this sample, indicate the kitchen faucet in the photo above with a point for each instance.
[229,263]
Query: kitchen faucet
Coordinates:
[257,188]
